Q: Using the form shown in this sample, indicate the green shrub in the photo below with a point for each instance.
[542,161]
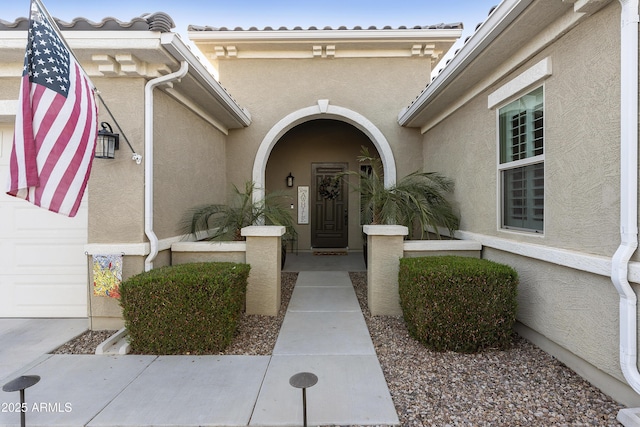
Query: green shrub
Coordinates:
[188,308]
[459,304]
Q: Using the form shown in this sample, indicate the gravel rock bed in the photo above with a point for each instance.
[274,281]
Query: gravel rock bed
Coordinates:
[522,386]
[85,343]
[257,334]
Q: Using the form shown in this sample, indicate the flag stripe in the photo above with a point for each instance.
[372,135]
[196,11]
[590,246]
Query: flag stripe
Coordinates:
[24,150]
[72,178]
[56,145]
[56,126]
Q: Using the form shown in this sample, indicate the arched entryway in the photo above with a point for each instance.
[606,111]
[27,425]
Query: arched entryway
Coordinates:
[313,143]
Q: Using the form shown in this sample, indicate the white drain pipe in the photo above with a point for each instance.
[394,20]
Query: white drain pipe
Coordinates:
[628,193]
[148,159]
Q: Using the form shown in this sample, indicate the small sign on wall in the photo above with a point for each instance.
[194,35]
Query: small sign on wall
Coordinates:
[303,204]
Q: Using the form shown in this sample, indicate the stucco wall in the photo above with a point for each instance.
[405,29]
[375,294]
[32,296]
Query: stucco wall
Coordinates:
[574,309]
[190,167]
[463,148]
[10,88]
[575,314]
[581,145]
[116,186]
[273,88]
[583,138]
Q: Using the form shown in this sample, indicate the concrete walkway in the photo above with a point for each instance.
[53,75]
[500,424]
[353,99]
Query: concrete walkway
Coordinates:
[323,332]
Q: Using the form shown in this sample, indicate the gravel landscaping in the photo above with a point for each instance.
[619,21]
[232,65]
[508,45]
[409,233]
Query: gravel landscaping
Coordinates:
[522,386]
[85,343]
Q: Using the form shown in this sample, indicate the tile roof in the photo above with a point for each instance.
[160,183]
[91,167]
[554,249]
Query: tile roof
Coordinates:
[162,22]
[453,26]
[449,60]
[158,21]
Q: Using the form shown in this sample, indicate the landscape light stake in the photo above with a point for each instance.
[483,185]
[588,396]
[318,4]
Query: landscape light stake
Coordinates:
[303,380]
[19,384]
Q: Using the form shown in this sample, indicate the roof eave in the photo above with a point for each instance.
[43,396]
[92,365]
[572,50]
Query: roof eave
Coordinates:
[176,47]
[312,35]
[501,17]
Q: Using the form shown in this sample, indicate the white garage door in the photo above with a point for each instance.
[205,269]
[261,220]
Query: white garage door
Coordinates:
[43,269]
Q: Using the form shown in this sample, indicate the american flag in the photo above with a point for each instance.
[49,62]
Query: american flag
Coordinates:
[56,125]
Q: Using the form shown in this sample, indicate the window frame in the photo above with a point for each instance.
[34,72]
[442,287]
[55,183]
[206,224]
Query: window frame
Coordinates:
[520,163]
[524,83]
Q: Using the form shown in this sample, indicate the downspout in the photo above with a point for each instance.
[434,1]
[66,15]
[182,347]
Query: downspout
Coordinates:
[628,193]
[148,159]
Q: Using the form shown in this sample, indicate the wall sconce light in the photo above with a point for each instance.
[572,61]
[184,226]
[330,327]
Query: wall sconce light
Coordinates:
[290,180]
[107,143]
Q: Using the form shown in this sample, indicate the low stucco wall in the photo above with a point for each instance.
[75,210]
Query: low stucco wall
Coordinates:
[262,250]
[385,247]
[420,248]
[573,315]
[384,250]
[186,252]
[264,253]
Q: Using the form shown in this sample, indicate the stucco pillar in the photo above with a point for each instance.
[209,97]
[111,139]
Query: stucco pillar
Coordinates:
[385,246]
[264,253]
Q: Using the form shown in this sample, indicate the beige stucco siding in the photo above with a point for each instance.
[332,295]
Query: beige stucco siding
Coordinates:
[582,138]
[463,148]
[566,304]
[372,87]
[116,186]
[189,166]
[575,309]
[10,88]
[581,145]
[189,170]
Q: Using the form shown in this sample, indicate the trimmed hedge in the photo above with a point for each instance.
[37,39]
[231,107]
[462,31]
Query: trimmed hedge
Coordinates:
[460,304]
[188,308]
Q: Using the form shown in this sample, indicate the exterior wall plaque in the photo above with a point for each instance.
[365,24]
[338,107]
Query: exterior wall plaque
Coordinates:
[303,204]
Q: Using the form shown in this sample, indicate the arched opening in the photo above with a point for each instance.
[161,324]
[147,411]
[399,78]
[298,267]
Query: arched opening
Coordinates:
[314,152]
[314,144]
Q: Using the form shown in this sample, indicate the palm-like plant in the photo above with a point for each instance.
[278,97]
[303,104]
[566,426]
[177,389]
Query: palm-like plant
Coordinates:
[225,222]
[418,199]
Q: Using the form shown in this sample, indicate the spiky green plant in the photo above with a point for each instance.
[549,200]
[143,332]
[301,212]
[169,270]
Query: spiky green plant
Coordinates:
[225,222]
[418,199]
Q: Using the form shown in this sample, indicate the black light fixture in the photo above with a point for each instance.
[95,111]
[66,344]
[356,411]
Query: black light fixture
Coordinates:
[107,143]
[290,180]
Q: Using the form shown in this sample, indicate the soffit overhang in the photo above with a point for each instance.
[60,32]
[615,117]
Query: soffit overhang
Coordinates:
[495,45]
[123,52]
[427,42]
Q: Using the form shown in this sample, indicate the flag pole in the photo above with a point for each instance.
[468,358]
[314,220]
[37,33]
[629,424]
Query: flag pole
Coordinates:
[54,24]
[55,126]
[136,157]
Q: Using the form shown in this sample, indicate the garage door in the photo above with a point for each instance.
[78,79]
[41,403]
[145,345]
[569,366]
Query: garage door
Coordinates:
[43,269]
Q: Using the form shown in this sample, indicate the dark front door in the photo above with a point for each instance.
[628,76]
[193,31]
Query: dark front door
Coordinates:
[329,225]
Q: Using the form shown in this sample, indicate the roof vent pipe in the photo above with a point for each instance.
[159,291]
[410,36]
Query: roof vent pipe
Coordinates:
[148,159]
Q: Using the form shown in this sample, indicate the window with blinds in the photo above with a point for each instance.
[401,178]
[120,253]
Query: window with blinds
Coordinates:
[522,162]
